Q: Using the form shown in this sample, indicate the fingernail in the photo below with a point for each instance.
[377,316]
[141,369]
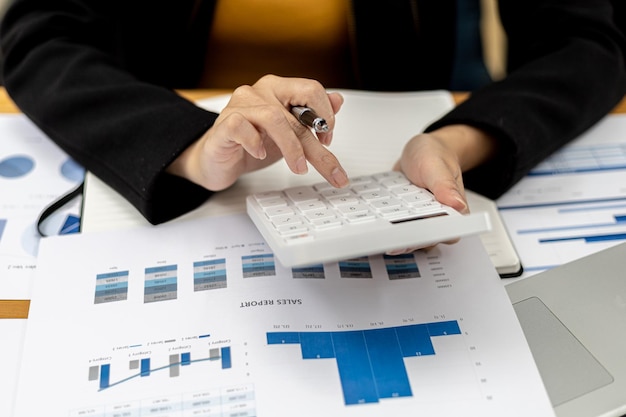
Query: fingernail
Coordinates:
[301,166]
[339,177]
[457,197]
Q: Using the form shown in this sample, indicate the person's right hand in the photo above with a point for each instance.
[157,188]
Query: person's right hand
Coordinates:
[256,129]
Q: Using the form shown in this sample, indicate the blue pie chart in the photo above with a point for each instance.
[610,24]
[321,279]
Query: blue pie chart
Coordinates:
[16,166]
[72,171]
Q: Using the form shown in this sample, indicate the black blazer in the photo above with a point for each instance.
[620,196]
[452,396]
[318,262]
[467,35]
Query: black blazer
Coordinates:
[97,77]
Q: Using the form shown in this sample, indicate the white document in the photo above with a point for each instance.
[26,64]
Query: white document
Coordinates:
[33,173]
[198,318]
[574,203]
[12,331]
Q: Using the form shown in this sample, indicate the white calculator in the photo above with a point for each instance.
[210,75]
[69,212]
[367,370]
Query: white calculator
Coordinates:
[308,225]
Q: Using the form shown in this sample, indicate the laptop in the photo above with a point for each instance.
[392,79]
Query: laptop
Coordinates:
[574,318]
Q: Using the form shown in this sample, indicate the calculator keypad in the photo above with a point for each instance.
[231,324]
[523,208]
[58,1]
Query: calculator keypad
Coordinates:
[299,213]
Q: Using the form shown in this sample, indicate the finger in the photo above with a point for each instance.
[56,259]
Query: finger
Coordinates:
[451,193]
[324,161]
[336,101]
[302,92]
[235,129]
[274,123]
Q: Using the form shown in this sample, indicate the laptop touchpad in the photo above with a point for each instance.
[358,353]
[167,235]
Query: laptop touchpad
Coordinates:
[567,368]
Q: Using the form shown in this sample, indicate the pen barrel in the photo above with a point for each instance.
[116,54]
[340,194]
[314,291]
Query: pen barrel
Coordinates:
[308,118]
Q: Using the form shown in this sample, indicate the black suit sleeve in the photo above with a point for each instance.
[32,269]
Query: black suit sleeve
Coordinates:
[565,71]
[68,68]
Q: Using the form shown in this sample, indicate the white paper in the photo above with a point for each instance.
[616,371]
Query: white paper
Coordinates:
[12,342]
[191,319]
[33,173]
[574,203]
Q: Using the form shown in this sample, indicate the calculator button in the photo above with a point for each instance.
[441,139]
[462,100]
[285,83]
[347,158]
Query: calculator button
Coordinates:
[393,212]
[361,180]
[417,198]
[292,229]
[395,182]
[427,206]
[279,211]
[312,205]
[409,189]
[335,192]
[272,203]
[299,238]
[375,195]
[343,200]
[269,195]
[353,209]
[360,217]
[388,175]
[320,214]
[326,223]
[279,221]
[365,187]
[319,187]
[387,203]
[302,194]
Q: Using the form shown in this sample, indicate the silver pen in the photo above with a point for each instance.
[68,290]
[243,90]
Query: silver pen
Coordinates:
[309,118]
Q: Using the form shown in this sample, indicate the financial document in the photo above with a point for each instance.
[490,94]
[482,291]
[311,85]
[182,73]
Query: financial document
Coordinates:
[33,173]
[198,318]
[572,204]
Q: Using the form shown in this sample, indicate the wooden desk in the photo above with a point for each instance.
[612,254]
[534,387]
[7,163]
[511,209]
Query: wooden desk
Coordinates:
[19,308]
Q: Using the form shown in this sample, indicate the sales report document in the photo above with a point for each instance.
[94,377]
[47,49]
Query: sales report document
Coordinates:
[198,318]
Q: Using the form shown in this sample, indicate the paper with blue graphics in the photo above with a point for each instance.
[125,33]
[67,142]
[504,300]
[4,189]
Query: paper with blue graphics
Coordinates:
[572,204]
[197,318]
[33,173]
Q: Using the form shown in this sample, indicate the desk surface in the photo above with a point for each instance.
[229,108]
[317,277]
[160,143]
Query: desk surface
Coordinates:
[19,308]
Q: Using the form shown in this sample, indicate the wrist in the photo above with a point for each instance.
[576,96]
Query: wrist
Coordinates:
[472,146]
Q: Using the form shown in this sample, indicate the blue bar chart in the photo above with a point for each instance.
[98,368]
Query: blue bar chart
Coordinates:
[401,266]
[310,272]
[161,283]
[370,362]
[548,235]
[143,367]
[209,274]
[111,286]
[355,268]
[258,265]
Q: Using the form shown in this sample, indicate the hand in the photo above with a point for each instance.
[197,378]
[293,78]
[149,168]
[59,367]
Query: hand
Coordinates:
[436,161]
[256,129]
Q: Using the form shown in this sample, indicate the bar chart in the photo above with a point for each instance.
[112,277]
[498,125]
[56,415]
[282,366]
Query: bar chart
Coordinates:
[161,283]
[111,287]
[209,274]
[258,265]
[144,367]
[401,266]
[355,268]
[370,362]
